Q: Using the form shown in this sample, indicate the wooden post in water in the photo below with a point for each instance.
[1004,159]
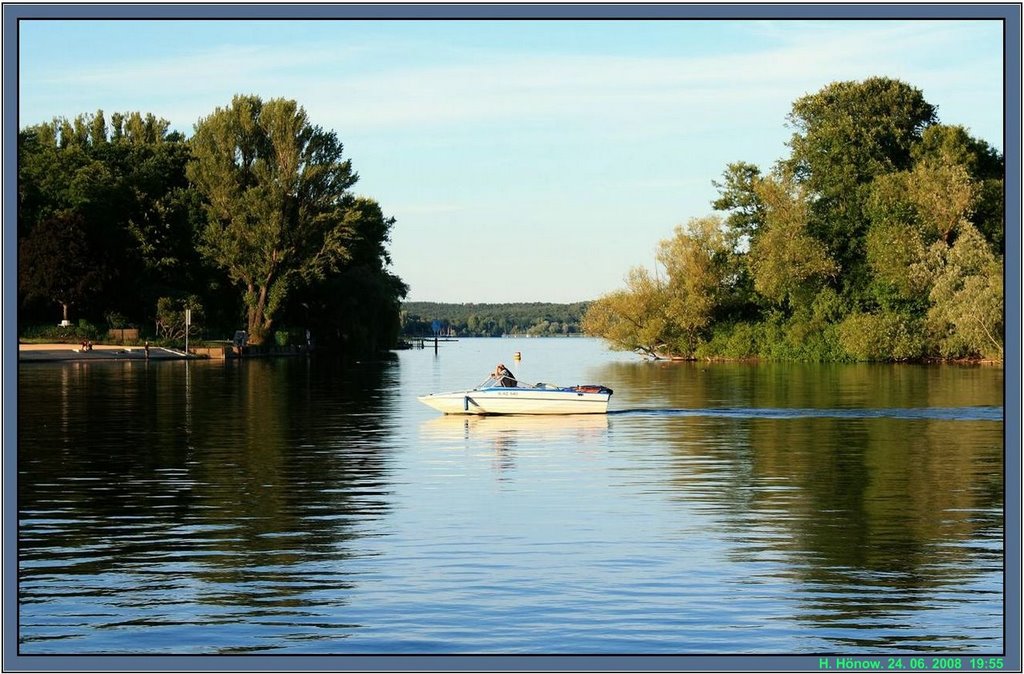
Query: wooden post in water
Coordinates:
[435,343]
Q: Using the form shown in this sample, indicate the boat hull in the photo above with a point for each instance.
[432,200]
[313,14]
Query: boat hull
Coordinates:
[518,401]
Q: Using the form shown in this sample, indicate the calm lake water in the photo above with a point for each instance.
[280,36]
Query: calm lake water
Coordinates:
[294,506]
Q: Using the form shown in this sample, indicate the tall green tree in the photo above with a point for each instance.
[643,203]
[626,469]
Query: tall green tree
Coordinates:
[844,136]
[966,315]
[56,264]
[357,307]
[849,132]
[787,263]
[277,194]
[934,247]
[632,319]
[946,145]
[737,195]
[669,317]
[127,192]
[700,266]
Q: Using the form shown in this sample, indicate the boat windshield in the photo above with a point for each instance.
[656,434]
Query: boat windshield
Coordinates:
[491,382]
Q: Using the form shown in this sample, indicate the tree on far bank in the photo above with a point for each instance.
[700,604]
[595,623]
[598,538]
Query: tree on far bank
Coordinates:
[277,193]
[846,135]
[738,196]
[669,317]
[966,314]
[632,319]
[357,308]
[787,263]
[55,263]
[123,184]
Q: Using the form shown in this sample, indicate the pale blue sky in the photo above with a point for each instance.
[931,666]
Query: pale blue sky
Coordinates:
[523,160]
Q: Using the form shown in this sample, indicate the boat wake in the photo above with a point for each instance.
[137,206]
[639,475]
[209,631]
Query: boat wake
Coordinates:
[975,413]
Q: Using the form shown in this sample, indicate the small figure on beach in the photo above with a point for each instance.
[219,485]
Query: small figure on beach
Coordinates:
[504,376]
[147,349]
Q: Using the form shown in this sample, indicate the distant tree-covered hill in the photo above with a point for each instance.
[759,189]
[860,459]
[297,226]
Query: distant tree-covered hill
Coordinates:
[493,320]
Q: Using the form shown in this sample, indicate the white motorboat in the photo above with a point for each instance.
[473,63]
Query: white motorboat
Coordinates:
[491,397]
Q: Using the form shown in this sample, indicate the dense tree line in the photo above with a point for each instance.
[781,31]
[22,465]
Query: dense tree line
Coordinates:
[880,237]
[493,320]
[250,223]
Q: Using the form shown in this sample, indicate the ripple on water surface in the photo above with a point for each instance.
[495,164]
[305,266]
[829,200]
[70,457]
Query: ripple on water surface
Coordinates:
[296,507]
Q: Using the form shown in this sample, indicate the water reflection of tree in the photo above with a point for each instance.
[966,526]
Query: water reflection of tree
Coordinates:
[294,460]
[873,516]
[886,514]
[794,385]
[245,493]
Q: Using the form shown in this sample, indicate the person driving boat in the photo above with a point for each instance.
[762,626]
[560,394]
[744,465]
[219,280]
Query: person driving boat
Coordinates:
[504,377]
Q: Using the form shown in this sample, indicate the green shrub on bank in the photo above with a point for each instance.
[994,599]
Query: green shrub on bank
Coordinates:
[84,330]
[884,337]
[736,341]
[775,339]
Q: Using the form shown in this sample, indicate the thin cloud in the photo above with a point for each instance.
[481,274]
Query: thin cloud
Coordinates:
[399,85]
[498,88]
[489,87]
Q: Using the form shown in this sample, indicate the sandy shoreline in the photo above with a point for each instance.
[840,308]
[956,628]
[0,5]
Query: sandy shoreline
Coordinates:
[59,352]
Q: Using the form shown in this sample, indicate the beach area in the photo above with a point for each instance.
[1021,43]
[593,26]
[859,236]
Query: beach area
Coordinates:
[63,352]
